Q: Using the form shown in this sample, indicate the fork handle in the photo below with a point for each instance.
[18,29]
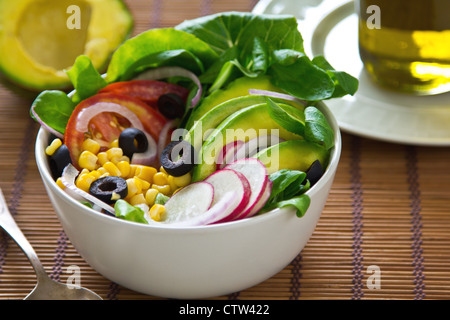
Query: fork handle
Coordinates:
[8,223]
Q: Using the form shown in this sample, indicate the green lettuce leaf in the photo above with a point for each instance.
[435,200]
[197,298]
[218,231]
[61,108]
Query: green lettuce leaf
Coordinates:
[159,47]
[126,211]
[54,108]
[85,79]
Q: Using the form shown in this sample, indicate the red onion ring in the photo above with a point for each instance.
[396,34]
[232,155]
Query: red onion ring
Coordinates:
[164,135]
[173,71]
[87,114]
[274,94]
[68,179]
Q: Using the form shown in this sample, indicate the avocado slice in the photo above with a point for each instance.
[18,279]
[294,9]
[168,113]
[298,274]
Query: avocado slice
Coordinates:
[294,155]
[40,39]
[244,124]
[211,119]
[237,88]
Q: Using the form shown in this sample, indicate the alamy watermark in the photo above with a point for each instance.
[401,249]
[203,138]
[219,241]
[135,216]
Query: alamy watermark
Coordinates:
[374,20]
[74,20]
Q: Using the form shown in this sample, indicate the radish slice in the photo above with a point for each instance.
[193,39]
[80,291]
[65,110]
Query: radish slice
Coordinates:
[216,213]
[261,202]
[251,147]
[148,157]
[225,181]
[190,202]
[68,179]
[256,173]
[173,71]
[228,153]
[88,113]
[275,94]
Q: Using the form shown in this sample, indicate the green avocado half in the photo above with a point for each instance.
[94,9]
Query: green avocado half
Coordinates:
[40,39]
[293,155]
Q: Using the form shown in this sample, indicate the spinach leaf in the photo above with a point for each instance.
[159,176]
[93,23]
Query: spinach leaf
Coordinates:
[158,47]
[54,108]
[288,121]
[300,203]
[345,83]
[288,188]
[85,78]
[317,128]
[301,78]
[251,38]
[126,211]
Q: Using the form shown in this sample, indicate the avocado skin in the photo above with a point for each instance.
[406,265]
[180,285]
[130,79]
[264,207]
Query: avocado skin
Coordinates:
[248,122]
[293,155]
[237,88]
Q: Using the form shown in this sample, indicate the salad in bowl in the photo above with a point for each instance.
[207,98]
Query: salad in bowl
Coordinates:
[206,137]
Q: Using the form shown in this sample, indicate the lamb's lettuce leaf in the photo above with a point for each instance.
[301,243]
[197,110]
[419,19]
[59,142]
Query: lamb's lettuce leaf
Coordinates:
[288,189]
[126,211]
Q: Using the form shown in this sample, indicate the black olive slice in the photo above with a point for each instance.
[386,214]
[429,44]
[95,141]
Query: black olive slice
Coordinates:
[107,187]
[171,105]
[178,158]
[132,140]
[314,172]
[59,160]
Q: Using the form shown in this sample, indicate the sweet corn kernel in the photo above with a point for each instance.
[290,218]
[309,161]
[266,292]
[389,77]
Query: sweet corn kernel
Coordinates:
[84,181]
[116,160]
[112,169]
[165,190]
[114,153]
[150,196]
[101,170]
[91,145]
[137,199]
[114,143]
[124,167]
[133,188]
[160,178]
[146,173]
[144,184]
[161,169]
[183,181]
[133,168]
[60,184]
[157,212]
[87,160]
[95,174]
[171,182]
[102,158]
[56,143]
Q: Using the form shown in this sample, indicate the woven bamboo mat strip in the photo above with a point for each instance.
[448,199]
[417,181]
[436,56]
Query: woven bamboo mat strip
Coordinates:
[389,208]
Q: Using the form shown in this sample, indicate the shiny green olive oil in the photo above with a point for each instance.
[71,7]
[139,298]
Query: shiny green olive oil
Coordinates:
[410,49]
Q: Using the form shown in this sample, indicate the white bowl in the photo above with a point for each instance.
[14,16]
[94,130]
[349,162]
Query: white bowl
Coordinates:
[194,262]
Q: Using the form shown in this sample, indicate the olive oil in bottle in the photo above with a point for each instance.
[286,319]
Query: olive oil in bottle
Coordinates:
[409,49]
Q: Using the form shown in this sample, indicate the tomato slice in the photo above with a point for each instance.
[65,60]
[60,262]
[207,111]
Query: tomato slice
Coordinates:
[105,127]
[146,90]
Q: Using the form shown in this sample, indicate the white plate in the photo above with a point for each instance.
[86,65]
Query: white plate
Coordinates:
[330,28]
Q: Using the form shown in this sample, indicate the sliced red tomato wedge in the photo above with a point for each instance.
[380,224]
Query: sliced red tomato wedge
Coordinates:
[146,90]
[105,127]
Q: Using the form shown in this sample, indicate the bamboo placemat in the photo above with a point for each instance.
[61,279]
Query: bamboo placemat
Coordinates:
[388,210]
